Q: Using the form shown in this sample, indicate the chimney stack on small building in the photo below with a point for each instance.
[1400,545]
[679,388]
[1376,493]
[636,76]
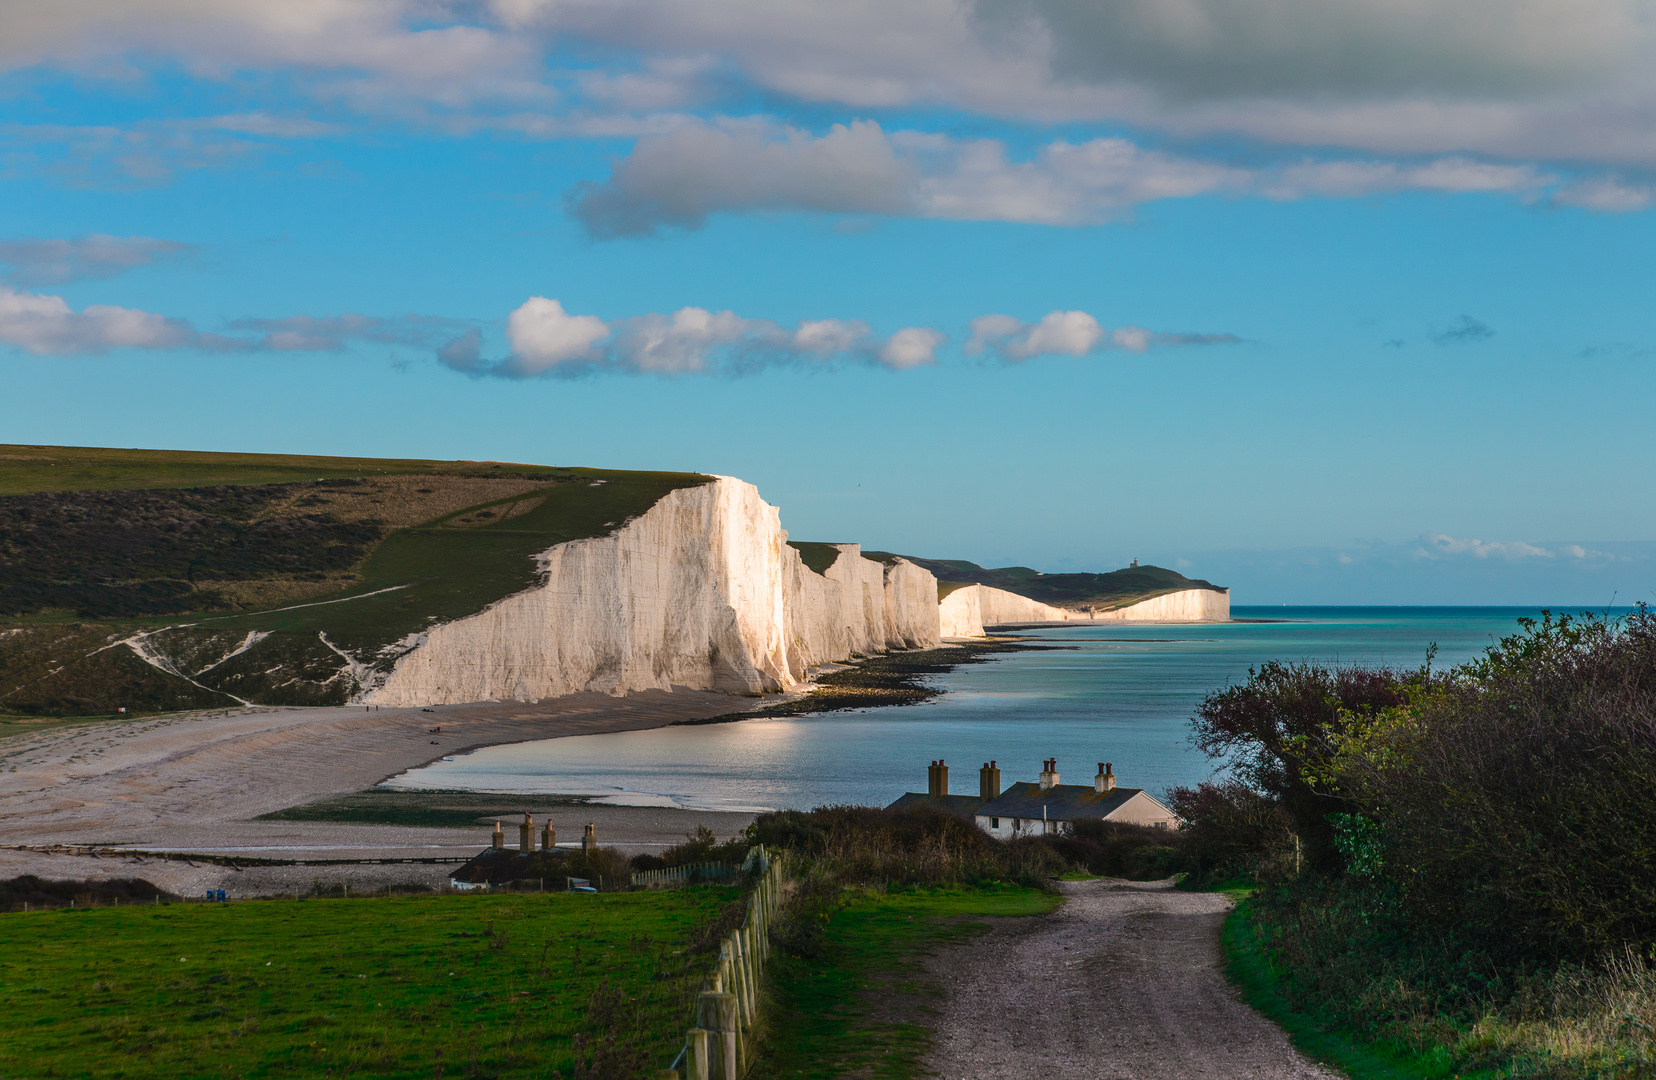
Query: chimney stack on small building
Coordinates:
[526,833]
[937,779]
[989,781]
[549,836]
[499,838]
[589,842]
[1049,774]
[1104,782]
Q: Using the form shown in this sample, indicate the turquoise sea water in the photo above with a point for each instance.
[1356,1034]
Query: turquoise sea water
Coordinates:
[1122,694]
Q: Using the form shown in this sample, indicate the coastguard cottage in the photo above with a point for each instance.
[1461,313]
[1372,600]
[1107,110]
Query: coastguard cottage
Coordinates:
[1043,807]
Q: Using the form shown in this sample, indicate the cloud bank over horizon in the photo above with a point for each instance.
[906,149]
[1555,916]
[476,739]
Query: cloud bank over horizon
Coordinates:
[1345,99]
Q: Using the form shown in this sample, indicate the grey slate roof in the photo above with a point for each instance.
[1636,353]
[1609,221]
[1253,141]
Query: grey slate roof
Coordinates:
[1064,802]
[964,805]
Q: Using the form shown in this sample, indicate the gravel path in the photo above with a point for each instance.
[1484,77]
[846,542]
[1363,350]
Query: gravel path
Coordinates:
[1124,981]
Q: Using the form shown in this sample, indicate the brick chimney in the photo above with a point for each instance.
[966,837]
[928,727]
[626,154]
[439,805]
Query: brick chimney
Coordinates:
[989,781]
[937,779]
[499,838]
[526,833]
[589,842]
[549,836]
[1049,773]
[1104,782]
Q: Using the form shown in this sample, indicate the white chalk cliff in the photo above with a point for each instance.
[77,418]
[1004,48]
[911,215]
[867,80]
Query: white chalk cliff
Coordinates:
[700,591]
[966,611]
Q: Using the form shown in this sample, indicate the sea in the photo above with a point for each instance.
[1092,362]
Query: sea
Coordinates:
[1123,694]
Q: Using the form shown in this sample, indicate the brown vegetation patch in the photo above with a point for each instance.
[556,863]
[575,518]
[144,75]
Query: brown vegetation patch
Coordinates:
[398,501]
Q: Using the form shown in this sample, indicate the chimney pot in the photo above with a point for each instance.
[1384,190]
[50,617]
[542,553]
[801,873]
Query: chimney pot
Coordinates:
[988,781]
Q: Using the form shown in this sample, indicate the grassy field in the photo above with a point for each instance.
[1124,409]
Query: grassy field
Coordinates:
[836,1014]
[457,986]
[817,557]
[30,469]
[1251,970]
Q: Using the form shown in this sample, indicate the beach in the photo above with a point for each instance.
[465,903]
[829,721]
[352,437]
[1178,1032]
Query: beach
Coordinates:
[195,782]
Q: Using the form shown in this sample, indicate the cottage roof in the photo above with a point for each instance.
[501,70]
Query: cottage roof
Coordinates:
[964,805]
[1063,802]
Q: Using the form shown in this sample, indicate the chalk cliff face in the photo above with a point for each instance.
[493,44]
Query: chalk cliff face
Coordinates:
[701,591]
[1187,605]
[966,611]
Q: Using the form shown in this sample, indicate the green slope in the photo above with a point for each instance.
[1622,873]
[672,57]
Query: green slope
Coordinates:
[281,557]
[29,469]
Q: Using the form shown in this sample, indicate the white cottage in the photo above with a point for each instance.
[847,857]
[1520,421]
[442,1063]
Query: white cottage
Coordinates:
[1044,807]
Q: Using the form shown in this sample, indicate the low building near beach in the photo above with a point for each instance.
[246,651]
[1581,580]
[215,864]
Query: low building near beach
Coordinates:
[1043,807]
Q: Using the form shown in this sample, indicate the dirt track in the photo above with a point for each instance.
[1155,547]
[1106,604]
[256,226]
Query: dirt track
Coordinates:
[1124,982]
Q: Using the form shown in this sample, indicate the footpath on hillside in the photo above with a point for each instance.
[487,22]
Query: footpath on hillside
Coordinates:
[1124,981]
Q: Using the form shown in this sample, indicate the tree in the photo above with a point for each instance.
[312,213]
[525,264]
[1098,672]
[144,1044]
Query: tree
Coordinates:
[1276,728]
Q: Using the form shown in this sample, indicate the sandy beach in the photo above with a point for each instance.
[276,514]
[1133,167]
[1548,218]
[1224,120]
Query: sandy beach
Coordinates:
[192,783]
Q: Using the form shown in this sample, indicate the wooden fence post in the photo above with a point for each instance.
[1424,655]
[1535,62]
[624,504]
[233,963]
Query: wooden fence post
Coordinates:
[717,1014]
[695,1062]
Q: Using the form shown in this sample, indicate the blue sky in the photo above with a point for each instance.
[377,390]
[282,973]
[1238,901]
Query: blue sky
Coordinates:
[1332,304]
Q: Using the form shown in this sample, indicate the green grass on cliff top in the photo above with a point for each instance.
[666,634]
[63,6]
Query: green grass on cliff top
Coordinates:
[415,987]
[440,573]
[436,570]
[28,469]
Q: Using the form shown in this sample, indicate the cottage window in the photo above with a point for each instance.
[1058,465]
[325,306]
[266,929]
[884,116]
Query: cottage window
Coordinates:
[994,823]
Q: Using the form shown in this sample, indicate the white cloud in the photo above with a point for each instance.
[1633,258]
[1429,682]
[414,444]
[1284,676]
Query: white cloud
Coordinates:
[912,346]
[680,178]
[544,336]
[1607,195]
[1513,79]
[374,54]
[683,176]
[309,333]
[1345,50]
[1434,545]
[1069,333]
[90,257]
[46,325]
[1454,175]
[546,339]
[1131,338]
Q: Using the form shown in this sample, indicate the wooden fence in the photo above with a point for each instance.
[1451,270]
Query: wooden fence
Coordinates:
[720,1046]
[683,875]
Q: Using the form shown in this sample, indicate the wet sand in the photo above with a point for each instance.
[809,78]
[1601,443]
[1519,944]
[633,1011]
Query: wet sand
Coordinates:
[192,782]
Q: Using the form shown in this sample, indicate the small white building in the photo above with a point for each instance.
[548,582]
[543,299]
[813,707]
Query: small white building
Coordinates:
[1044,807]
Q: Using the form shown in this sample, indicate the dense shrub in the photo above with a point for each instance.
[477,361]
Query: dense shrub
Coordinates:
[1231,830]
[1277,727]
[1515,802]
[46,892]
[1485,878]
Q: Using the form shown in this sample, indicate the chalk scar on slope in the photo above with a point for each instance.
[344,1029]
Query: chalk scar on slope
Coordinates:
[1124,981]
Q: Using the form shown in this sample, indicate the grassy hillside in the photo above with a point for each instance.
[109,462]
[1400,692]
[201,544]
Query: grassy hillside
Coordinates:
[1116,589]
[496,986]
[817,557]
[278,565]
